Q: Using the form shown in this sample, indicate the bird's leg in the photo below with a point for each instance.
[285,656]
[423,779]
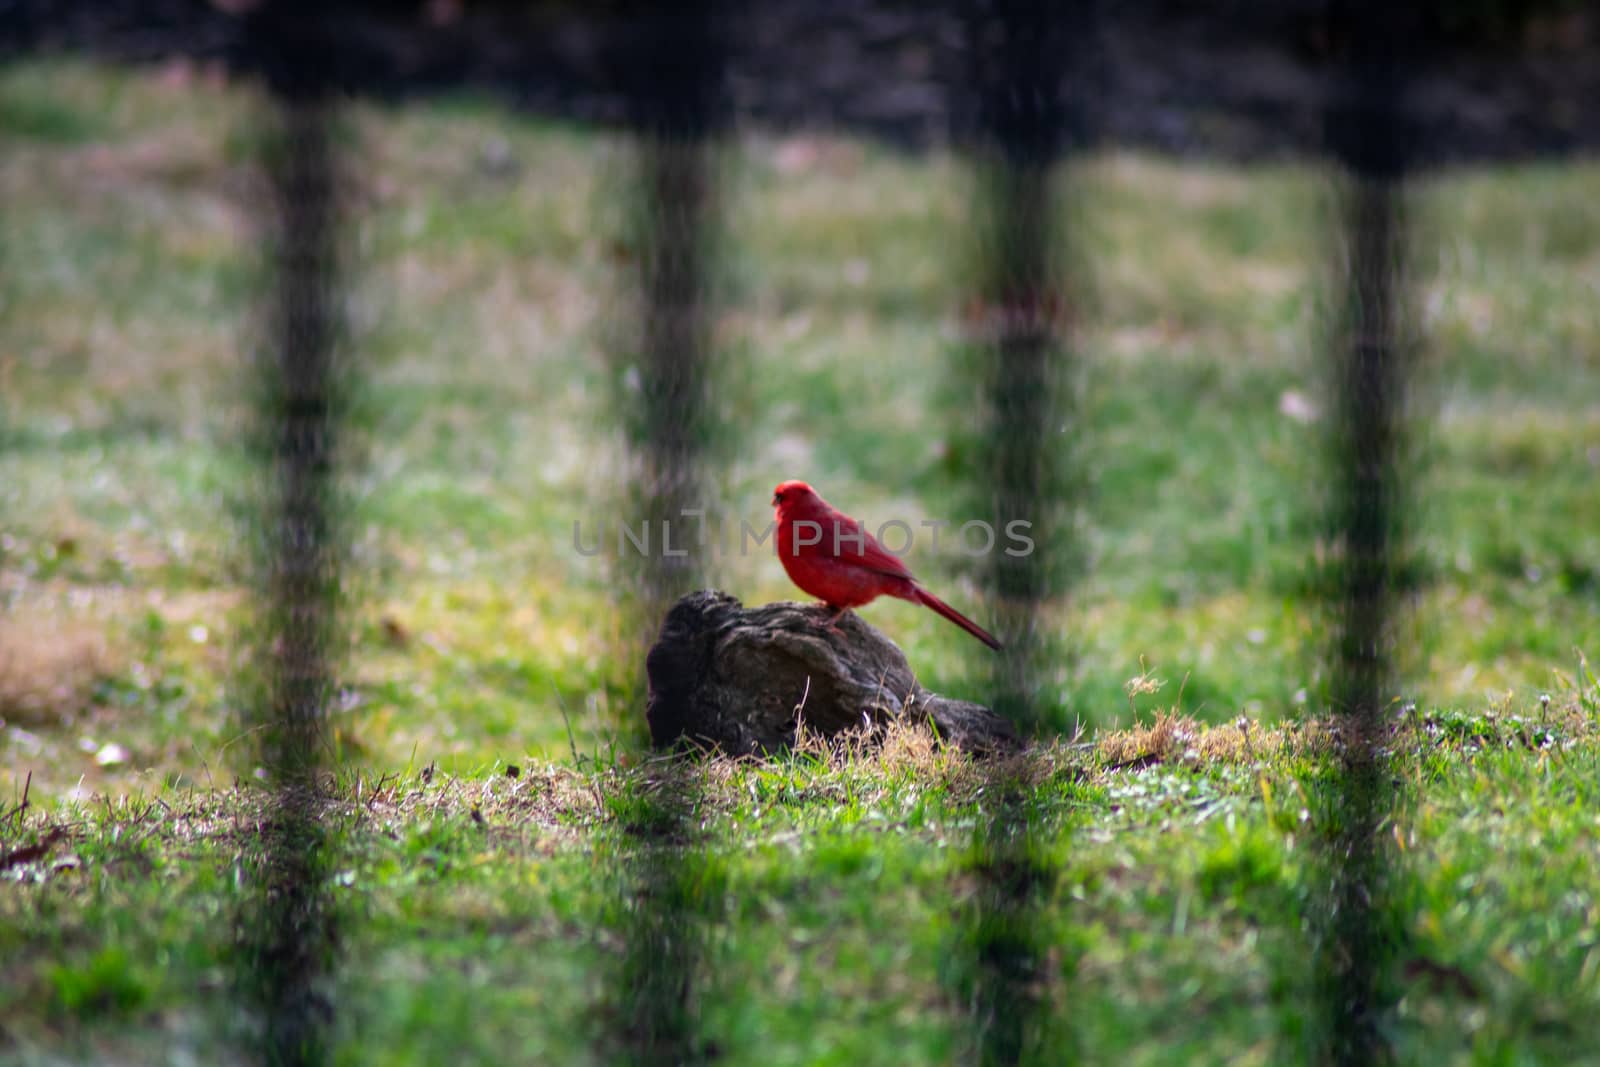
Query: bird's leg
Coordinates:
[834,617]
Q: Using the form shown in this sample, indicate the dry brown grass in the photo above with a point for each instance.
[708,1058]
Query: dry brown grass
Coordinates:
[906,748]
[1168,737]
[1175,738]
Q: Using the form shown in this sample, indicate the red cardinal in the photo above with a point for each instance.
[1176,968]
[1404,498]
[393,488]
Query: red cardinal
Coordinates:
[832,556]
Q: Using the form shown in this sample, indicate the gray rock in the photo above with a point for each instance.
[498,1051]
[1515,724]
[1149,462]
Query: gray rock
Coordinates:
[726,676]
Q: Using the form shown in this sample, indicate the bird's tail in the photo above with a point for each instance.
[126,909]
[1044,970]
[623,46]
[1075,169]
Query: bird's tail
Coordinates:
[929,600]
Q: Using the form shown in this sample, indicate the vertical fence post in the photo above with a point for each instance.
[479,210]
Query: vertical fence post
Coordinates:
[287,934]
[672,77]
[671,73]
[1369,140]
[1021,54]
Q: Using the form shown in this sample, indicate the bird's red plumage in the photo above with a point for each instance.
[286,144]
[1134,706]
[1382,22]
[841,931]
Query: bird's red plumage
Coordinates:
[832,556]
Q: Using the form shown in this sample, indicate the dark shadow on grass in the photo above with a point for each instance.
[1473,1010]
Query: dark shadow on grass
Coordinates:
[1009,983]
[662,908]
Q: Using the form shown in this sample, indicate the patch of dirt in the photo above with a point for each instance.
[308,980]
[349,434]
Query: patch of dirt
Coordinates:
[48,669]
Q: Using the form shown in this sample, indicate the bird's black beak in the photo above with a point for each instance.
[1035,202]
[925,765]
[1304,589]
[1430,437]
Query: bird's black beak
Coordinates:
[774,499]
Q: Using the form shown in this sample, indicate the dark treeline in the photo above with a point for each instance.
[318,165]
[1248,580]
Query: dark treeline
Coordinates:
[1503,80]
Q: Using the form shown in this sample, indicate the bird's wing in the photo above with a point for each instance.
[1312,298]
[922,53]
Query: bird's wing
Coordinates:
[869,554]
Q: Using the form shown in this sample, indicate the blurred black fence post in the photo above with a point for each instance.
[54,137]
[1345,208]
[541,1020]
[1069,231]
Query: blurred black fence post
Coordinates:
[670,67]
[287,935]
[1024,81]
[1022,55]
[1369,138]
[672,76]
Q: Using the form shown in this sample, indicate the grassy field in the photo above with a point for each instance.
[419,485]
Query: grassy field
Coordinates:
[830,904]
[487,286]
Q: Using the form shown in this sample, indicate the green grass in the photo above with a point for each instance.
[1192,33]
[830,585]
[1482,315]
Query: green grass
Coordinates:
[830,899]
[835,898]
[485,297]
